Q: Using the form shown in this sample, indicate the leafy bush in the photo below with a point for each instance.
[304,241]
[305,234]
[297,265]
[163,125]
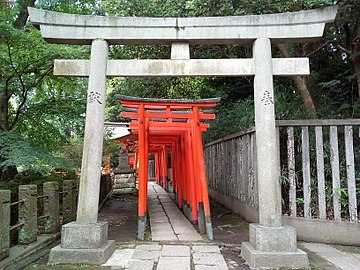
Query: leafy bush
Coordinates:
[25,155]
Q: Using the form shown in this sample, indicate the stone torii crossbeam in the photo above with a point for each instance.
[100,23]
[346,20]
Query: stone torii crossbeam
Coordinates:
[272,244]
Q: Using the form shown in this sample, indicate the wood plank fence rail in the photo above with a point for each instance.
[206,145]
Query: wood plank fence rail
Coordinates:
[230,166]
[320,162]
[319,159]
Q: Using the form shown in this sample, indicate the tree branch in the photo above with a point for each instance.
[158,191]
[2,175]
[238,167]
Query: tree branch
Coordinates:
[24,96]
[334,43]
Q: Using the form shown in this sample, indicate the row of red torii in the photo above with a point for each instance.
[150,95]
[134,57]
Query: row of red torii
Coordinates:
[164,125]
[272,244]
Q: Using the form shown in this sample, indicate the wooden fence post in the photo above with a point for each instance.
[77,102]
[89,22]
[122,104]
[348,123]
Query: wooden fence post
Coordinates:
[4,223]
[28,214]
[51,207]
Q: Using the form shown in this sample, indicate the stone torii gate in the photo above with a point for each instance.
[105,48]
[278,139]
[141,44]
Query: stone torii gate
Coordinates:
[272,244]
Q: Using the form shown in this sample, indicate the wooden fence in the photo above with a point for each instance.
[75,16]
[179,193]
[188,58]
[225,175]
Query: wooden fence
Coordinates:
[230,167]
[320,161]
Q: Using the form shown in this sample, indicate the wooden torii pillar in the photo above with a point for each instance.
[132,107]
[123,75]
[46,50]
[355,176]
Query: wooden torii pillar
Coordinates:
[180,33]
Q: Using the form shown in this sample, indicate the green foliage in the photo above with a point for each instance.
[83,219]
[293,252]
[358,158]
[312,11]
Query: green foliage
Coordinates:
[87,7]
[72,152]
[26,154]
[40,110]
[224,124]
[178,88]
[339,95]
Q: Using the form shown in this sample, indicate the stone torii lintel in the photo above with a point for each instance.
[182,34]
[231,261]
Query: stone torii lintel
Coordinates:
[301,26]
[180,68]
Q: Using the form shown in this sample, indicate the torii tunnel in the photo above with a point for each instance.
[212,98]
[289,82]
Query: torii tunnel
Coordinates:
[172,126]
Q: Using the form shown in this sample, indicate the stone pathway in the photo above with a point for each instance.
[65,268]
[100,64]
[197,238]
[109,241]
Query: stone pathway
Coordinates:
[338,259]
[167,222]
[176,243]
[165,257]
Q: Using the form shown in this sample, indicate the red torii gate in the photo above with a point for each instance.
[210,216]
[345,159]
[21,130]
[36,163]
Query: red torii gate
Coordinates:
[164,125]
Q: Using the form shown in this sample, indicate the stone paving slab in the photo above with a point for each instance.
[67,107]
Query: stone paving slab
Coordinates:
[173,263]
[184,229]
[164,237]
[206,249]
[175,250]
[150,247]
[166,257]
[152,255]
[189,237]
[342,260]
[208,259]
[120,258]
[141,265]
[158,218]
[210,267]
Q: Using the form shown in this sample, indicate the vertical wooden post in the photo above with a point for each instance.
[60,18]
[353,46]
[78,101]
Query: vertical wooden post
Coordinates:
[291,170]
[305,148]
[191,180]
[350,173]
[142,176]
[180,175]
[202,173]
[320,171]
[335,171]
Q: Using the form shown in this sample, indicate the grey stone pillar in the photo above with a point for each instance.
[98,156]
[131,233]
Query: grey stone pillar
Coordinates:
[51,207]
[28,214]
[269,189]
[94,133]
[4,223]
[85,241]
[271,244]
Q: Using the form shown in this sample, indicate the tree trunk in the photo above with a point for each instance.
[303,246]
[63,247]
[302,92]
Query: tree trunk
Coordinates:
[358,81]
[355,58]
[300,84]
[4,110]
[23,14]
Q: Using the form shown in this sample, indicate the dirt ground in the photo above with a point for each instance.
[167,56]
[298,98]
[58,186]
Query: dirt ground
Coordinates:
[121,213]
[229,230]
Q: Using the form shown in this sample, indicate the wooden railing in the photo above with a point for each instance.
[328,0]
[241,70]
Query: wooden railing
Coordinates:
[230,167]
[319,160]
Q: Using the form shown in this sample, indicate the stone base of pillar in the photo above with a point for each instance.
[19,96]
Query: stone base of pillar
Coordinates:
[83,243]
[98,256]
[125,190]
[273,248]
